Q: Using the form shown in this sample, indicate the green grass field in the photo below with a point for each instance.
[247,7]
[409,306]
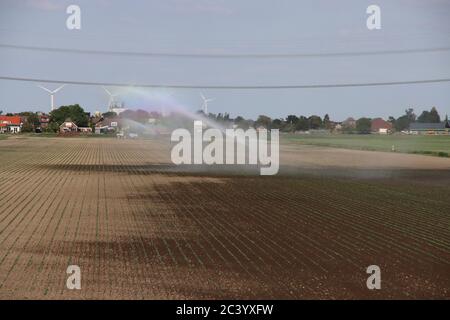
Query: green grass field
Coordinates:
[432,145]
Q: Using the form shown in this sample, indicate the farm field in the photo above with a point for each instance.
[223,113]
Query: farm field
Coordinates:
[421,144]
[142,228]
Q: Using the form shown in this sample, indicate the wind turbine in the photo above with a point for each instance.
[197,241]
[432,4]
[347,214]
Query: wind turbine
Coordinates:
[112,100]
[52,94]
[205,104]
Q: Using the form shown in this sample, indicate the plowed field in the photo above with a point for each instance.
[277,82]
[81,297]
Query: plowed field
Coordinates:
[142,228]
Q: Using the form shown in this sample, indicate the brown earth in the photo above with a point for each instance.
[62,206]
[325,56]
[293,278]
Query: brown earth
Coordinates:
[141,228]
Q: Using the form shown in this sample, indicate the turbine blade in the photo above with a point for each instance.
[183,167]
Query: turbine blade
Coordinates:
[107,91]
[57,89]
[44,88]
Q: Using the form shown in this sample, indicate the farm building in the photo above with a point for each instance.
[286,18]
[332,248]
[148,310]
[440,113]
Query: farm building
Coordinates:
[430,128]
[10,124]
[108,125]
[381,126]
[68,126]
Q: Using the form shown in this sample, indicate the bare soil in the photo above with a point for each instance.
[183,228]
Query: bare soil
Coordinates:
[142,228]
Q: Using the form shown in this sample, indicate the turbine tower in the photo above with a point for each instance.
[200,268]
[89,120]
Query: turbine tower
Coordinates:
[112,99]
[52,95]
[205,104]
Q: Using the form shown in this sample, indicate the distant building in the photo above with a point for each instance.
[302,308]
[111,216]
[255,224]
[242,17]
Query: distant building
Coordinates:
[381,126]
[10,124]
[430,128]
[44,120]
[67,127]
[108,125]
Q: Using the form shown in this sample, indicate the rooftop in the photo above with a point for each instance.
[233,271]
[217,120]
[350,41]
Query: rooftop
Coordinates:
[429,126]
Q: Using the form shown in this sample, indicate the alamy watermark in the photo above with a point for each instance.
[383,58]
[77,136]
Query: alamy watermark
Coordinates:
[74,280]
[374,280]
[233,146]
[373,22]
[73,21]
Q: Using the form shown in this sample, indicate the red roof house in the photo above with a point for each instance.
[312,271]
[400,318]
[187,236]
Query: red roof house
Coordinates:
[380,126]
[10,124]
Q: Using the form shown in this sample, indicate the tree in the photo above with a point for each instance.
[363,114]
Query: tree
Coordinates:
[238,119]
[349,125]
[52,127]
[73,112]
[431,116]
[277,124]
[33,119]
[27,127]
[31,123]
[363,125]
[292,119]
[326,122]
[315,122]
[403,122]
[264,121]
[141,116]
[424,116]
[109,114]
[410,114]
[434,116]
[302,124]
[242,123]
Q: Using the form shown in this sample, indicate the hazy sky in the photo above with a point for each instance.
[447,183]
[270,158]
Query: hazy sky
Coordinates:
[230,26]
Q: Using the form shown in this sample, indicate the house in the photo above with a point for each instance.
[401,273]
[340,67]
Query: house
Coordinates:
[108,125]
[10,124]
[381,126]
[67,127]
[430,128]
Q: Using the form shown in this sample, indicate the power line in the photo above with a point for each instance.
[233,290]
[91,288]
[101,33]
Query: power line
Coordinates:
[230,87]
[223,55]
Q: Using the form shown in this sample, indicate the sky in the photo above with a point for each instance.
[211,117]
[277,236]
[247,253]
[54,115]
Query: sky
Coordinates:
[229,27]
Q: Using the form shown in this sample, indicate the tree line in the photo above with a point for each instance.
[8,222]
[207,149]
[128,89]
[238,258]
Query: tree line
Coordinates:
[291,123]
[314,122]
